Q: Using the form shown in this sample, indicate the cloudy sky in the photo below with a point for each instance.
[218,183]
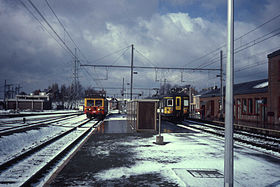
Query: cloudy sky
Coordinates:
[165,33]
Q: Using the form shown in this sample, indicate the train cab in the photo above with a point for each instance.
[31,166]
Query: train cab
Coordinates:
[96,107]
[175,106]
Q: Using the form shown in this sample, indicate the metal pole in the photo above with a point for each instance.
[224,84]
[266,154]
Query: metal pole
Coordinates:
[123,103]
[221,86]
[131,74]
[5,94]
[159,118]
[75,78]
[228,160]
[190,101]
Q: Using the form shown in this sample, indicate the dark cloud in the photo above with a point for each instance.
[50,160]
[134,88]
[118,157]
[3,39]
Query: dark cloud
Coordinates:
[31,57]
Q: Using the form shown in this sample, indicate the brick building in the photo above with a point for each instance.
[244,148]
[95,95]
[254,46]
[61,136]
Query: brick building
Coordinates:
[29,102]
[274,87]
[255,102]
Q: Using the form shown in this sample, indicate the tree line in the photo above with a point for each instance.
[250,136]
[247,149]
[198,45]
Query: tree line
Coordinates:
[68,96]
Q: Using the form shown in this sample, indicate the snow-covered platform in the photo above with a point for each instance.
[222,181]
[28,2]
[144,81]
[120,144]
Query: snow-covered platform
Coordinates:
[187,159]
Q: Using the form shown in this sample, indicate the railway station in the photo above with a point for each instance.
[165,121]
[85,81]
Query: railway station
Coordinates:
[116,155]
[124,150]
[140,93]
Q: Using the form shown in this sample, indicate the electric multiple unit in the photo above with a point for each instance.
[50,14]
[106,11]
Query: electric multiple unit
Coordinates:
[175,106]
[96,107]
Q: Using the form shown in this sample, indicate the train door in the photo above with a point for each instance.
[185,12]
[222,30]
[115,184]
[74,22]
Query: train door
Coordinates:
[178,103]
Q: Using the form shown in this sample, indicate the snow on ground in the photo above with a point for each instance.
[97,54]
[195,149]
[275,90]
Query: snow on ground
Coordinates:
[20,142]
[39,112]
[195,151]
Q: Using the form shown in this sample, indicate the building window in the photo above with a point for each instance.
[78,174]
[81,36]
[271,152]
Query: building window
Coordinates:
[250,106]
[257,106]
[238,102]
[244,106]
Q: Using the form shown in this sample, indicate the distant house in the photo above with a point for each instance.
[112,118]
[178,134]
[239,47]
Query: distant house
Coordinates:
[255,102]
[29,102]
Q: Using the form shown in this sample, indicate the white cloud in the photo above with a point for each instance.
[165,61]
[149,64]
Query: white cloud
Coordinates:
[101,27]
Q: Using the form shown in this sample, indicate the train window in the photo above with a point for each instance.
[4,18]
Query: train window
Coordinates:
[169,102]
[90,102]
[98,102]
[186,102]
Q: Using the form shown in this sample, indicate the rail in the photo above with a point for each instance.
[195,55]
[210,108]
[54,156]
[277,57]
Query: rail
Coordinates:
[26,168]
[254,139]
[20,127]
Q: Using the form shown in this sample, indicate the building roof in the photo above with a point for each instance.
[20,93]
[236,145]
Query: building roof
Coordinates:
[275,53]
[252,87]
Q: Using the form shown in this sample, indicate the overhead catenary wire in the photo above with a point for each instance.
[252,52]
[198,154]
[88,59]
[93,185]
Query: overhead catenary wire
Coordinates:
[256,28]
[46,21]
[147,59]
[43,27]
[251,43]
[65,30]
[250,66]
[62,25]
[63,45]
[255,41]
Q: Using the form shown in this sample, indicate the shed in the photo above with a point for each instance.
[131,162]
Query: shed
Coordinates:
[142,114]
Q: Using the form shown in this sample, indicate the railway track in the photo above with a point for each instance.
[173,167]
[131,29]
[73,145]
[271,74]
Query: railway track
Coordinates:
[17,115]
[30,166]
[253,139]
[19,120]
[14,126]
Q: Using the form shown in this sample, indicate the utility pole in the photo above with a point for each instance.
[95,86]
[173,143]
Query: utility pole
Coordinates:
[131,74]
[228,159]
[17,89]
[190,101]
[5,94]
[123,86]
[75,79]
[221,86]
[123,103]
[164,85]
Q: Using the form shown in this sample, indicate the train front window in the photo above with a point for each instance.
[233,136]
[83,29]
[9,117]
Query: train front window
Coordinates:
[169,102]
[90,102]
[98,102]
[186,102]
[178,101]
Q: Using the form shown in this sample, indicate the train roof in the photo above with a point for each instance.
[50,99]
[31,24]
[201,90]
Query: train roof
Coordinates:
[94,97]
[175,95]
